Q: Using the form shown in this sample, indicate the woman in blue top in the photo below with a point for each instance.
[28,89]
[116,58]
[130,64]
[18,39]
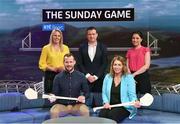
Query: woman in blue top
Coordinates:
[118,87]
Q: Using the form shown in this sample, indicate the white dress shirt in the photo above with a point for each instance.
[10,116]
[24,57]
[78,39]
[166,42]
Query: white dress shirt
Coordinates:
[92,50]
[91,53]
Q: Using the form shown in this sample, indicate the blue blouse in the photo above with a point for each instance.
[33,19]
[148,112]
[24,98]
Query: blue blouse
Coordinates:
[127,91]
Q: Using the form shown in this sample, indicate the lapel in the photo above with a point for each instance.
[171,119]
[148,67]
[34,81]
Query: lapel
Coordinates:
[109,87]
[97,51]
[86,52]
[123,88]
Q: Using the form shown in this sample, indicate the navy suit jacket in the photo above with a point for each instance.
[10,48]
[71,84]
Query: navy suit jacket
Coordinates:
[96,67]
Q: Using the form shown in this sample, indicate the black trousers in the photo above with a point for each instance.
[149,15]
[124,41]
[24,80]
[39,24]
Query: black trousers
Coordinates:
[118,113]
[143,83]
[48,81]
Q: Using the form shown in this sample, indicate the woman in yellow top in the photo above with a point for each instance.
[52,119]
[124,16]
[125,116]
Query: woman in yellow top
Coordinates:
[51,59]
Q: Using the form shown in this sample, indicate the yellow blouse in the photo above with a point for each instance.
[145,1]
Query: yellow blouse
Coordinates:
[51,57]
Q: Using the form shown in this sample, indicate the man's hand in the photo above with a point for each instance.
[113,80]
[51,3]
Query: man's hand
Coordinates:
[81,99]
[91,79]
[51,98]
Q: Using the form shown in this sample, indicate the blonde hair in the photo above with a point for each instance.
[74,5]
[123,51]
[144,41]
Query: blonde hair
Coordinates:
[61,40]
[123,61]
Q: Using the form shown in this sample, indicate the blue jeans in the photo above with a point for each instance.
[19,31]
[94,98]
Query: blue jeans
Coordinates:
[95,99]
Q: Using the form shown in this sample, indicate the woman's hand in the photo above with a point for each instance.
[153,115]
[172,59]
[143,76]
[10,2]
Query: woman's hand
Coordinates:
[51,68]
[137,104]
[59,69]
[107,106]
[134,74]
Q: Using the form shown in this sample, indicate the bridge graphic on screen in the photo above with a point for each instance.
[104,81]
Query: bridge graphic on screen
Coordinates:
[152,42]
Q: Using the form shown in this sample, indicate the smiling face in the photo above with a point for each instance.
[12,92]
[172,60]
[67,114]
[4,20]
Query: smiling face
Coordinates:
[69,63]
[117,67]
[92,36]
[136,40]
[56,37]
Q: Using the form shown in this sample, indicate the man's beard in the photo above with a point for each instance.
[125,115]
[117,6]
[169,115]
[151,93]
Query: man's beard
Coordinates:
[68,69]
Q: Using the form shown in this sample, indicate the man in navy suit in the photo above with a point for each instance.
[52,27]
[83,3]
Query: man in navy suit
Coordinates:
[93,63]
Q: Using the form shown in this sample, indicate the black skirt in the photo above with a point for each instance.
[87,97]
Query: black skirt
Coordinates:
[48,81]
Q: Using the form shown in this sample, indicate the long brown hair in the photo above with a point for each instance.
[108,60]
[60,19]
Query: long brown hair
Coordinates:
[61,40]
[123,61]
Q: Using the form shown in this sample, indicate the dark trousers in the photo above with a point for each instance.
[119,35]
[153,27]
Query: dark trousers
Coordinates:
[94,99]
[118,113]
[143,83]
[48,81]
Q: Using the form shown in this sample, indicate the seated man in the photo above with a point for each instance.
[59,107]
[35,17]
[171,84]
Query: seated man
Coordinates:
[70,83]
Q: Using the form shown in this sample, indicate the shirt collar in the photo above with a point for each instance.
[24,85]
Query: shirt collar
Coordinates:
[94,44]
[66,72]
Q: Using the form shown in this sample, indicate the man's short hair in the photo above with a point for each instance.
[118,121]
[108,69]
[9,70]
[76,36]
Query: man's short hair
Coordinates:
[90,28]
[68,55]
